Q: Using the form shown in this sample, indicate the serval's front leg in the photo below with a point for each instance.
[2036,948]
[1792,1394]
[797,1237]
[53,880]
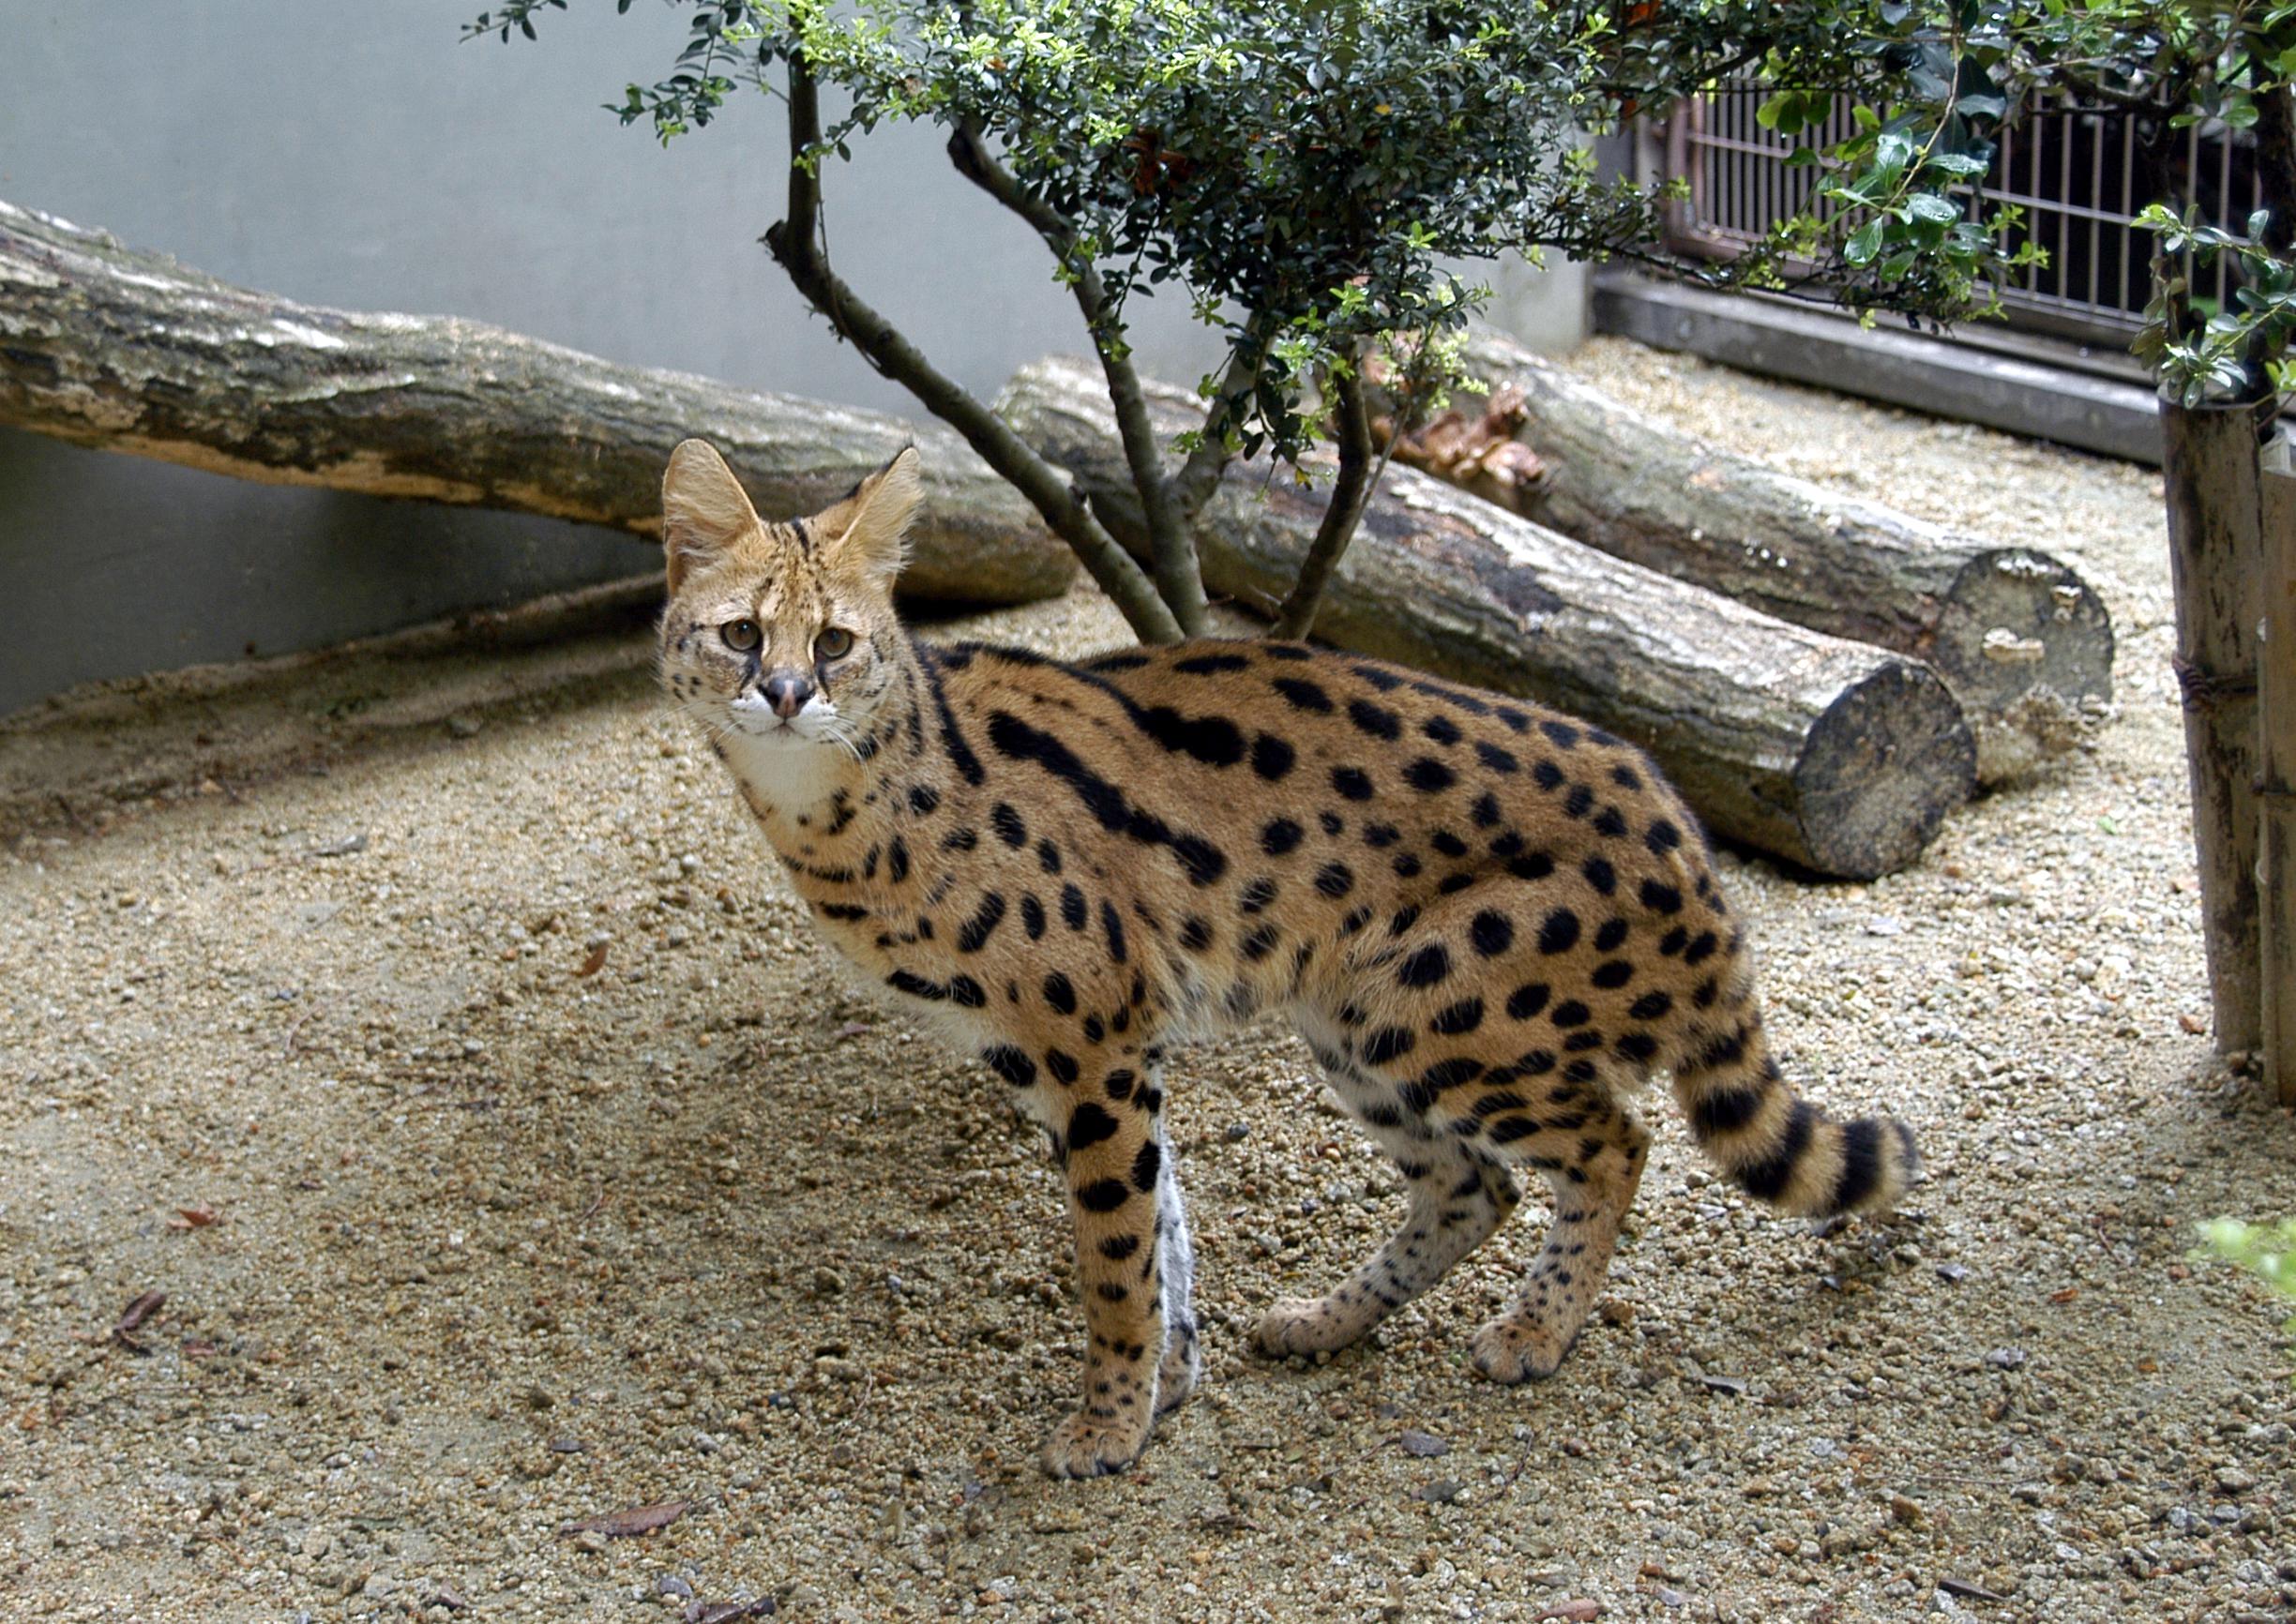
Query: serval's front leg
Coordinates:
[1106,1134]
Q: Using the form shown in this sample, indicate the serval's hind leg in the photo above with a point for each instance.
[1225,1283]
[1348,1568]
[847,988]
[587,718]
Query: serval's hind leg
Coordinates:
[1594,1170]
[1457,1199]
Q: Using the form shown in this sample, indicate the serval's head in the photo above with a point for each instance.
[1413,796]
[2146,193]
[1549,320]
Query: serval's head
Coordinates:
[781,635]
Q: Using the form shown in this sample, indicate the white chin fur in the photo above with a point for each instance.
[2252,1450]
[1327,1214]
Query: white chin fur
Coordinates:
[781,758]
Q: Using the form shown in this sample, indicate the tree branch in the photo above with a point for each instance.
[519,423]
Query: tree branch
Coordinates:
[795,244]
[1199,476]
[1351,429]
[1179,578]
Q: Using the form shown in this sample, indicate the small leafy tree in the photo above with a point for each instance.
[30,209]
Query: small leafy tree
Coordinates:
[1304,172]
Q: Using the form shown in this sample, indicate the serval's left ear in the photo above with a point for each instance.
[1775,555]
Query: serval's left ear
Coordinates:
[863,533]
[704,509]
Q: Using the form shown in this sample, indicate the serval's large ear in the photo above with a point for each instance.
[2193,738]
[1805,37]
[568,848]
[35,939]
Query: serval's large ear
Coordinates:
[704,509]
[861,534]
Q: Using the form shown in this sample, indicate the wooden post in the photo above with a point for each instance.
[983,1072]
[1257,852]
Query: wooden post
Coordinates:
[2215,552]
[2276,764]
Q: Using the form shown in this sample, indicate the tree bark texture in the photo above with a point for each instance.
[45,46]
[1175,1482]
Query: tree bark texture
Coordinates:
[127,351]
[1841,758]
[2215,553]
[2276,774]
[2020,638]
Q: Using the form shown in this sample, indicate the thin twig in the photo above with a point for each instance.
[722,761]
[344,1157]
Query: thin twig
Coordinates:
[1352,427]
[1179,575]
[795,244]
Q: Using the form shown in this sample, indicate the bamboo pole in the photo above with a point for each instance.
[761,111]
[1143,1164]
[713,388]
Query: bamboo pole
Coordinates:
[2215,549]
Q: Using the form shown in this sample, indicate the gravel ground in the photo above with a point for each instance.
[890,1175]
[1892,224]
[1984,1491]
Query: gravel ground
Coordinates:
[510,1154]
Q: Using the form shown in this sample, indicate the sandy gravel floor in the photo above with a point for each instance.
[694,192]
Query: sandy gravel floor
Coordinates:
[509,1155]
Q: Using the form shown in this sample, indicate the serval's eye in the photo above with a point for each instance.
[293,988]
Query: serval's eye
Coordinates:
[833,644]
[742,635]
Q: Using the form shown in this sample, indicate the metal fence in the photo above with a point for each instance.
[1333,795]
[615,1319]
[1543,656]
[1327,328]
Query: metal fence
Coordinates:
[2073,173]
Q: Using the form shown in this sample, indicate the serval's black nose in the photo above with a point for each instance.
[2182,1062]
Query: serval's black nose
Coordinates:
[787,692]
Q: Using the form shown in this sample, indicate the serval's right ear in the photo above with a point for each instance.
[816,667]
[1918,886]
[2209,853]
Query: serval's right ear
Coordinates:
[704,509]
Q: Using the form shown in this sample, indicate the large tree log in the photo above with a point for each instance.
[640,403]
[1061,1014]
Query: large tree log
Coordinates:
[125,351]
[2016,634]
[1836,755]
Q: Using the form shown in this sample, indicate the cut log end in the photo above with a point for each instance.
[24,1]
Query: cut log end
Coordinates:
[2027,646]
[1879,771]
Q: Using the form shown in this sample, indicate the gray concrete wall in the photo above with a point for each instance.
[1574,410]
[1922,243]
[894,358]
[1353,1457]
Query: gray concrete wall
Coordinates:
[361,157]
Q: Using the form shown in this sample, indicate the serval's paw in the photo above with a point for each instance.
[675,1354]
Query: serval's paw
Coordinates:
[1305,1325]
[1517,1349]
[1090,1446]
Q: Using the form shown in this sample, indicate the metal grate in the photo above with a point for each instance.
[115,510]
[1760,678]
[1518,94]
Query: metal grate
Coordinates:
[2075,174]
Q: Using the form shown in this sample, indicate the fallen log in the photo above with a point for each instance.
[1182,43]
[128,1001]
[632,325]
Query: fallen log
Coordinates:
[127,351]
[2017,635]
[1836,755]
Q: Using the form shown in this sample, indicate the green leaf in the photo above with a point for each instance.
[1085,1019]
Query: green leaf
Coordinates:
[1865,243]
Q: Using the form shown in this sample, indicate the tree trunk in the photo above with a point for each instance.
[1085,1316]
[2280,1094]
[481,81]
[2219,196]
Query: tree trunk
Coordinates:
[2215,529]
[2016,634]
[2276,776]
[125,351]
[1840,758]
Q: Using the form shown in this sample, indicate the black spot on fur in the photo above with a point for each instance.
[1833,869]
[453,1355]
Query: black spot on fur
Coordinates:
[1270,757]
[1861,1163]
[1662,837]
[1766,1180]
[1600,875]
[1428,776]
[1384,681]
[1351,782]
[1279,835]
[1205,665]
[1259,943]
[1111,927]
[1103,1196]
[1491,932]
[1460,1018]
[1060,993]
[1637,1047]
[1379,836]
[1033,917]
[1649,1006]
[1547,775]
[1562,734]
[1011,1064]
[922,799]
[1611,933]
[1559,932]
[1376,720]
[1450,1073]
[1425,968]
[1146,1163]
[1526,1000]
[1701,949]
[1335,880]
[1661,898]
[1302,695]
[1072,907]
[1256,896]
[1538,866]
[1386,1045]
[1611,974]
[1062,1065]
[1609,822]
[1048,857]
[975,933]
[1008,825]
